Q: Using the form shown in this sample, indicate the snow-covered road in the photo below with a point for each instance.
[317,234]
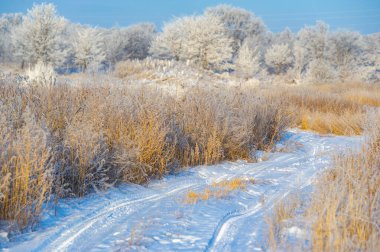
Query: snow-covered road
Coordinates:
[155,217]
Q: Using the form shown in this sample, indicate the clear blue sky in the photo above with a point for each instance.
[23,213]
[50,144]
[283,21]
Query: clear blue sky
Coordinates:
[360,15]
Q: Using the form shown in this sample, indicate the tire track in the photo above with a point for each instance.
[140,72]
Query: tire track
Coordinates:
[65,238]
[218,241]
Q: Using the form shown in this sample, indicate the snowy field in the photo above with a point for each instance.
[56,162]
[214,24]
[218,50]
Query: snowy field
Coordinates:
[157,218]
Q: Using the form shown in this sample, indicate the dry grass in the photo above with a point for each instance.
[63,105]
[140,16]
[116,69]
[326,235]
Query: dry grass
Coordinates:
[345,207]
[25,170]
[217,190]
[284,210]
[330,109]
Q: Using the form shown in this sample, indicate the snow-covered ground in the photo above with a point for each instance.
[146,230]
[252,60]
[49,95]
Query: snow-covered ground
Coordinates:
[156,218]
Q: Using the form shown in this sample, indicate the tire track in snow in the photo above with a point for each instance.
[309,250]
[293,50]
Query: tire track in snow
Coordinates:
[218,241]
[65,238]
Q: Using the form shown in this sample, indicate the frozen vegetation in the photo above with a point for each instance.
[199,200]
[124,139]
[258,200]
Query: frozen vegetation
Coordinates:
[212,134]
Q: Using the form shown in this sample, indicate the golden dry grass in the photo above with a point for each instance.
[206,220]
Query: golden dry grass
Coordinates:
[25,170]
[217,190]
[330,109]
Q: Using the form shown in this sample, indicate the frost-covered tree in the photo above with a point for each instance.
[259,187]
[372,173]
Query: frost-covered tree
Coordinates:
[169,43]
[320,72]
[314,40]
[138,40]
[284,37]
[114,45]
[133,42]
[88,47]
[8,22]
[346,46]
[299,63]
[200,40]
[207,45]
[369,59]
[314,44]
[279,57]
[240,24]
[248,60]
[39,37]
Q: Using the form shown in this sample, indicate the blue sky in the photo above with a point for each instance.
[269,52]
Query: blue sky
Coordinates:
[359,15]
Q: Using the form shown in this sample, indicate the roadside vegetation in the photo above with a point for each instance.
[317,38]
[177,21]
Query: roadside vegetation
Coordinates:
[342,214]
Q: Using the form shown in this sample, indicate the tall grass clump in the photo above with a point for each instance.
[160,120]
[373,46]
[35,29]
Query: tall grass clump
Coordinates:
[25,169]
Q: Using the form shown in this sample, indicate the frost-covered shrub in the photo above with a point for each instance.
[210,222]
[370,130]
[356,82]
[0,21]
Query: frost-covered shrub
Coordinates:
[42,75]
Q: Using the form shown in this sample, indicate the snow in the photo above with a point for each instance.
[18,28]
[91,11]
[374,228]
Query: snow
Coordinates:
[156,218]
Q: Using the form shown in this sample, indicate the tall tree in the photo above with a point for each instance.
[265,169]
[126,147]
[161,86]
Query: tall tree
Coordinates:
[200,40]
[88,47]
[239,23]
[38,38]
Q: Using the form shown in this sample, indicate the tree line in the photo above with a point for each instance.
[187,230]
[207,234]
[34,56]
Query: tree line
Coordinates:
[222,39]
